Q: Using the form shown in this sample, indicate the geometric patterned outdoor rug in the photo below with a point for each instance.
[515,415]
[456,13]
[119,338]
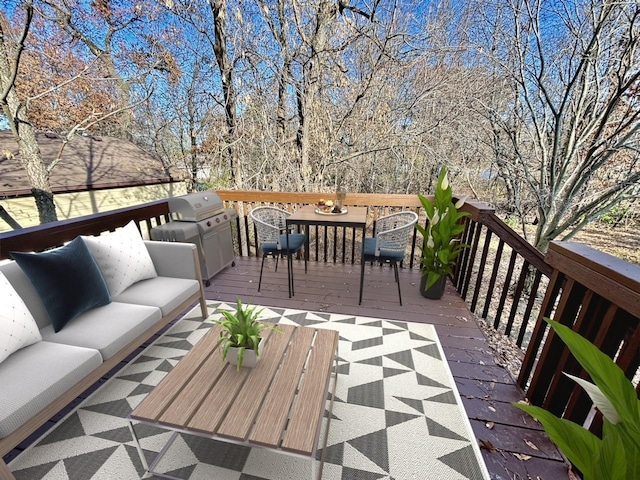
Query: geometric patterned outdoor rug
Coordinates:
[396,416]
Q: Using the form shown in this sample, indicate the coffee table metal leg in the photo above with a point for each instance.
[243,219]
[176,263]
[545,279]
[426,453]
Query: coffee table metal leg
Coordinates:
[148,469]
[138,447]
[326,432]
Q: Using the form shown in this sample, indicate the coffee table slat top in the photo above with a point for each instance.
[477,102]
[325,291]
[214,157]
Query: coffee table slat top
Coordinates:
[208,396]
[244,408]
[156,402]
[273,415]
[305,417]
[193,392]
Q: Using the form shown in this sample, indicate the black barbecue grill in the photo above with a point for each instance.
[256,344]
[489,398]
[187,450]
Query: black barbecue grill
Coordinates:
[201,219]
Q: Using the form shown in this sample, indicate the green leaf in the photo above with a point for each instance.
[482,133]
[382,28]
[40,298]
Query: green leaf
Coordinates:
[579,445]
[609,378]
[598,398]
[427,205]
[611,461]
[240,358]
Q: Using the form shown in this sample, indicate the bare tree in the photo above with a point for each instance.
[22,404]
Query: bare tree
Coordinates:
[16,110]
[569,129]
[116,34]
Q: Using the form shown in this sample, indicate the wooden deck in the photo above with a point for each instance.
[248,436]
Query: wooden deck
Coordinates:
[514,446]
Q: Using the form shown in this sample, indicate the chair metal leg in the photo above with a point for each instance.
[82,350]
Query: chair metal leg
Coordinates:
[395,267]
[290,268]
[277,257]
[362,262]
[261,268]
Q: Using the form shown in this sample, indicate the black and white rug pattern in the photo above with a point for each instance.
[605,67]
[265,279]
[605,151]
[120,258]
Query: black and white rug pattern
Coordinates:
[395,416]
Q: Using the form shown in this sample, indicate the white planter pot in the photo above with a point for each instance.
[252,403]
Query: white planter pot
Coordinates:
[250,359]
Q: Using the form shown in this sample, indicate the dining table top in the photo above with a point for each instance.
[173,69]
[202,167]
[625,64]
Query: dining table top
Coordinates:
[308,215]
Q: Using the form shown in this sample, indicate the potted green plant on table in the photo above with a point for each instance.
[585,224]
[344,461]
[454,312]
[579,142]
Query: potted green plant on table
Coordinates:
[240,336]
[441,237]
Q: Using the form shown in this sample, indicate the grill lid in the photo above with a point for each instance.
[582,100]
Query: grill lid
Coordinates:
[195,206]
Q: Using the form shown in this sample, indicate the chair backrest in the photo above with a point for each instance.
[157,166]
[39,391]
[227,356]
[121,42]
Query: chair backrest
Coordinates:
[393,233]
[270,223]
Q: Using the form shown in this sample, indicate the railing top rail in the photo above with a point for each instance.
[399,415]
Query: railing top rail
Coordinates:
[610,277]
[308,198]
[46,235]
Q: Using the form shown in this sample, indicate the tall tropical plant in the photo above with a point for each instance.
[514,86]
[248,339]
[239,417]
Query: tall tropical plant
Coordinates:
[441,238]
[615,456]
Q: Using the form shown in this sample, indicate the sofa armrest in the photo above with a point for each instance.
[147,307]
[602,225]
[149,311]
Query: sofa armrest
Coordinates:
[175,259]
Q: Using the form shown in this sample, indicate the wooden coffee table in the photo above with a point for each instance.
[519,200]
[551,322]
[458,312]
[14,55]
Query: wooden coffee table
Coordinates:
[278,405]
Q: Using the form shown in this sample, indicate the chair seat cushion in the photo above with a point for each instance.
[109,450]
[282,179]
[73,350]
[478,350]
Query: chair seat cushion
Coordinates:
[36,375]
[385,255]
[106,329]
[296,240]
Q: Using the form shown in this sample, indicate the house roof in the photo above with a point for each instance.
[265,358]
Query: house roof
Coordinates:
[88,163]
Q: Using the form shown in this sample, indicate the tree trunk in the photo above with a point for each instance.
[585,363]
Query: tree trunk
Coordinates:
[25,135]
[218,8]
[311,81]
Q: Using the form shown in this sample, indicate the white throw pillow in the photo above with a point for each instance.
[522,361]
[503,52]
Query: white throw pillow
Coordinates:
[18,328]
[122,257]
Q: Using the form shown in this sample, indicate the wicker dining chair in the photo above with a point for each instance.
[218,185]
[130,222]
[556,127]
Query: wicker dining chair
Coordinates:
[389,243]
[270,223]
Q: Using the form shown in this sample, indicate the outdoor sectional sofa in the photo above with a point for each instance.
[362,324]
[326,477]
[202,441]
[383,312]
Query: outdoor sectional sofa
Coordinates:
[40,379]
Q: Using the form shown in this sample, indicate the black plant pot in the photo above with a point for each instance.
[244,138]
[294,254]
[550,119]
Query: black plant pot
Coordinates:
[435,291]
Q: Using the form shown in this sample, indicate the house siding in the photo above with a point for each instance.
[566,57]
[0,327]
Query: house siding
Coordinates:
[77,204]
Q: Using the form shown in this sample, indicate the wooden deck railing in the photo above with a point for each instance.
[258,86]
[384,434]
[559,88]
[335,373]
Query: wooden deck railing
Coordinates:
[329,244]
[594,293]
[501,276]
[597,295]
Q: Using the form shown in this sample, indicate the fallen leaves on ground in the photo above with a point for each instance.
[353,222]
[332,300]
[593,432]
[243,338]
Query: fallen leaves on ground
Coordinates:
[522,456]
[487,445]
[531,444]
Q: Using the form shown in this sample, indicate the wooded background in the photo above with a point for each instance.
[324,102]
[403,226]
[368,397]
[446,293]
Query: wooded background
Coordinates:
[533,105]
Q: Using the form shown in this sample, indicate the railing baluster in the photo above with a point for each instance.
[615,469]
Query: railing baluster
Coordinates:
[494,277]
[527,313]
[471,261]
[505,288]
[463,263]
[524,272]
[481,265]
[555,285]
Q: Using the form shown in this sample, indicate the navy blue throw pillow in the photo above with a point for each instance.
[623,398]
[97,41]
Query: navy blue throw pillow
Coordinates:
[67,279]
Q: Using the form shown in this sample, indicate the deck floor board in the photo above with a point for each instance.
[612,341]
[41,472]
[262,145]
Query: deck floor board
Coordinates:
[482,383]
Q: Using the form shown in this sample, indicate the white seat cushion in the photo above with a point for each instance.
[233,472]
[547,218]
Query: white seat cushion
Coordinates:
[106,329]
[35,376]
[166,293]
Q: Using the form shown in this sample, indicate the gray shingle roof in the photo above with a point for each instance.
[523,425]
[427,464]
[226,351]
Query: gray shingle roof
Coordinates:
[88,163]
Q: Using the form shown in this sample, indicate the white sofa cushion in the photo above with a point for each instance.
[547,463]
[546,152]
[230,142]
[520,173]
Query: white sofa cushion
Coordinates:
[106,329]
[37,375]
[18,328]
[122,257]
[162,292]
